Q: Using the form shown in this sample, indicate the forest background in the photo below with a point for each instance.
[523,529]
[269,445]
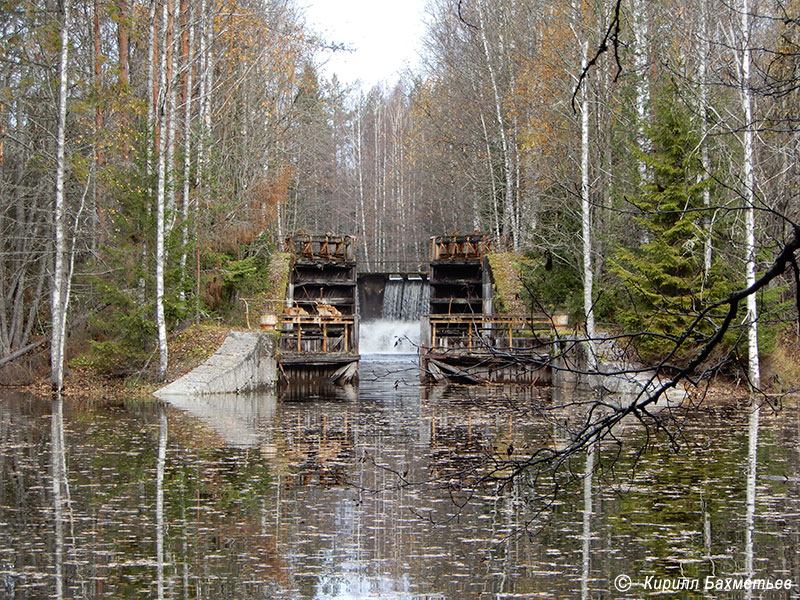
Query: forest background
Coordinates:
[155,153]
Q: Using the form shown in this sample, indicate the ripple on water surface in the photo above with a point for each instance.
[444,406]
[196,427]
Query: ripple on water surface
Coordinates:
[388,490]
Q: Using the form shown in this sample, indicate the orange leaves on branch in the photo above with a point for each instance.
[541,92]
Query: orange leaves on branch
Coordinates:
[258,210]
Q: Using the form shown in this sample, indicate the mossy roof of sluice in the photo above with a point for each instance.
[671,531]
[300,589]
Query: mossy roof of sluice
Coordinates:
[507,271]
[280,264]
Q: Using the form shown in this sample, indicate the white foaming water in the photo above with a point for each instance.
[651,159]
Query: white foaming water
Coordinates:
[387,336]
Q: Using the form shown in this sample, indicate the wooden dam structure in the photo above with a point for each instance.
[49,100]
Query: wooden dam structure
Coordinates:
[465,337]
[470,333]
[319,327]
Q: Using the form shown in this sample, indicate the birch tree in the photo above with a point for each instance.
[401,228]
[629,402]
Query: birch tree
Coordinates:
[508,190]
[60,294]
[161,191]
[640,62]
[186,199]
[581,33]
[702,109]
[749,193]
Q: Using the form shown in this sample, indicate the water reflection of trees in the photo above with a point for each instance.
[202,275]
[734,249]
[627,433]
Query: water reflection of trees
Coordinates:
[256,521]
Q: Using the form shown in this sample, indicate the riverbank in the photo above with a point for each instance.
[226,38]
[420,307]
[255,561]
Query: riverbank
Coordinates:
[85,382]
[194,345]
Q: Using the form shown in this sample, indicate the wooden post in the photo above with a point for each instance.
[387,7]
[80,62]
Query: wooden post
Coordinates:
[299,335]
[324,337]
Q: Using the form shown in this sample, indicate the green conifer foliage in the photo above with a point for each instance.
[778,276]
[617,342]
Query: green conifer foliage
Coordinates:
[664,274]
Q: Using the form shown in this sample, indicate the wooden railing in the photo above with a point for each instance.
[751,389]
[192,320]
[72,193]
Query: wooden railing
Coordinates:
[459,247]
[323,247]
[476,333]
[317,334]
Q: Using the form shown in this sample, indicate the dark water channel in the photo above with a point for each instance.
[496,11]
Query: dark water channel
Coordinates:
[388,490]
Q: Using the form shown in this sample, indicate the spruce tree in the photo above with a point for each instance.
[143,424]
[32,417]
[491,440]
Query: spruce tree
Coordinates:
[664,275]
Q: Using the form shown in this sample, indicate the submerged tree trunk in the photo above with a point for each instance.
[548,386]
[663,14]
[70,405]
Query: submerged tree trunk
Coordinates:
[59,299]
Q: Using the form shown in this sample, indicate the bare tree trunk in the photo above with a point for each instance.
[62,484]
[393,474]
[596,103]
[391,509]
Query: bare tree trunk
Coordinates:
[204,109]
[124,67]
[749,191]
[188,53]
[508,202]
[640,60]
[59,299]
[708,222]
[376,224]
[586,218]
[123,43]
[359,143]
[151,127]
[495,211]
[170,214]
[97,155]
[160,196]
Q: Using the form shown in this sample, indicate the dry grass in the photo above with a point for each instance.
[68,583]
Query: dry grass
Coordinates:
[508,289]
[187,349]
[781,370]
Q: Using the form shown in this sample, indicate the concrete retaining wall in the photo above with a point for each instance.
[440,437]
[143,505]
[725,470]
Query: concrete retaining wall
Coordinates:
[244,363]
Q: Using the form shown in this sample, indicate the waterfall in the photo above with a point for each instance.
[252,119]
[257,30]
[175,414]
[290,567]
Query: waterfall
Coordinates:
[386,336]
[405,299]
[397,331]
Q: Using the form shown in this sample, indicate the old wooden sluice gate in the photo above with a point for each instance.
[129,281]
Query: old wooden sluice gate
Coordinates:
[471,332]
[319,327]
[465,337]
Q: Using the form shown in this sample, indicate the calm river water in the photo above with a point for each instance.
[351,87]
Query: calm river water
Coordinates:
[387,490]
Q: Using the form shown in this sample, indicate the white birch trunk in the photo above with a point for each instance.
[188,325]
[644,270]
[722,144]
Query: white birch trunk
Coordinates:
[495,211]
[59,298]
[640,60]
[704,158]
[586,220]
[187,154]
[160,198]
[151,125]
[360,167]
[508,202]
[201,93]
[204,91]
[749,191]
[171,35]
[376,224]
